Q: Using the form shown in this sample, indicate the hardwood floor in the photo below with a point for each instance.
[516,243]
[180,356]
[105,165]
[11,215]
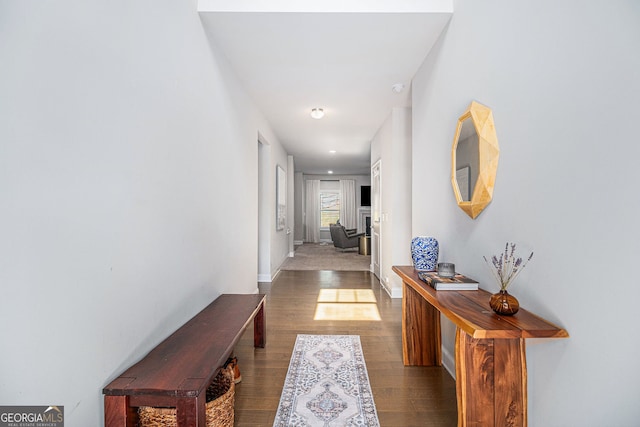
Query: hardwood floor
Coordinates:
[404,396]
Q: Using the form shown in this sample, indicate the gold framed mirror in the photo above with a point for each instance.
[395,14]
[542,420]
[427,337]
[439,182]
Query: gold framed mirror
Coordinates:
[474,159]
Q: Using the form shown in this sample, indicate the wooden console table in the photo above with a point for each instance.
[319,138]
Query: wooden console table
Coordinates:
[491,372]
[178,371]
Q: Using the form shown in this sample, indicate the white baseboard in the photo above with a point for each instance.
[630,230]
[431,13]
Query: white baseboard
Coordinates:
[291,254]
[396,293]
[385,288]
[264,278]
[393,292]
[449,362]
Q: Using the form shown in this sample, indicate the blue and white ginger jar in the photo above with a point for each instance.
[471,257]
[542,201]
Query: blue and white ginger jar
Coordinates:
[424,251]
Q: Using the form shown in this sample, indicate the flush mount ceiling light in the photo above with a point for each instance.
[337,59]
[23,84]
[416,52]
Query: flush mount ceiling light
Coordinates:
[329,172]
[317,113]
[397,88]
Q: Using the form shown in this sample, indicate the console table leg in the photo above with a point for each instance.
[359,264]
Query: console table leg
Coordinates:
[421,343]
[491,381]
[259,328]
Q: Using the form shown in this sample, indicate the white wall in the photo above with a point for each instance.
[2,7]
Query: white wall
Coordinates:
[128,190]
[562,81]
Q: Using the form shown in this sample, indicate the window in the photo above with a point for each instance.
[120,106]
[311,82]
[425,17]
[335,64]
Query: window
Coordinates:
[329,208]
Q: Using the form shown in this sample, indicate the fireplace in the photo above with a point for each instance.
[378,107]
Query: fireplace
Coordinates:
[364,220]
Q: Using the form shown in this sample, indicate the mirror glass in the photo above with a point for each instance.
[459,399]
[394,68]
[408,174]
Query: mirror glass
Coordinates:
[467,159]
[474,159]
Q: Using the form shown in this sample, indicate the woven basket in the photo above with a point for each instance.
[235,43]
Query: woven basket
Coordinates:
[219,406]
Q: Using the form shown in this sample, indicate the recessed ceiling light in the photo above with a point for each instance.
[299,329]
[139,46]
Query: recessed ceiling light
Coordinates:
[329,172]
[397,88]
[332,151]
[317,113]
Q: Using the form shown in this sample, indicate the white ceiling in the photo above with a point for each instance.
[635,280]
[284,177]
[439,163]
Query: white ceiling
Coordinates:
[341,56]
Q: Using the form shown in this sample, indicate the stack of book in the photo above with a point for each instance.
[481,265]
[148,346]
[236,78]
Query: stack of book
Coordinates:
[456,283]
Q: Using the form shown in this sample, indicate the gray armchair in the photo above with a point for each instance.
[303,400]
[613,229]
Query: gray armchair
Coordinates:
[344,238]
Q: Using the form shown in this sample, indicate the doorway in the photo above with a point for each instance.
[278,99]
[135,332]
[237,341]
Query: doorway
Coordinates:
[376,224]
[264,254]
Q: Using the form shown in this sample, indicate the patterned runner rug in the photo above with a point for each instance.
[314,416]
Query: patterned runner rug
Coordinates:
[327,384]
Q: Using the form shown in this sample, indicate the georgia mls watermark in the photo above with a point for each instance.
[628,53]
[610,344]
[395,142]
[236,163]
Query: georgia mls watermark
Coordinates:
[32,416]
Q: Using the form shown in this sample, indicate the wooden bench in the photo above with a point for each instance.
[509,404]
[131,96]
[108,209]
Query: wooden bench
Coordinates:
[178,371]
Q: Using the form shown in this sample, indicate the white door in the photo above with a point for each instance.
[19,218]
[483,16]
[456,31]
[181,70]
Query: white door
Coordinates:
[375,220]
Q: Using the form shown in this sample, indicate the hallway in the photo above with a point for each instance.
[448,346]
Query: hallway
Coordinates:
[404,396]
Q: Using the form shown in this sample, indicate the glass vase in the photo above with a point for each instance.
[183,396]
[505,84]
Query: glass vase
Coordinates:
[504,303]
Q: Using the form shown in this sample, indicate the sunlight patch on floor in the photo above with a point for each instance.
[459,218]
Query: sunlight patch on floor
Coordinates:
[347,304]
[347,311]
[346,295]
